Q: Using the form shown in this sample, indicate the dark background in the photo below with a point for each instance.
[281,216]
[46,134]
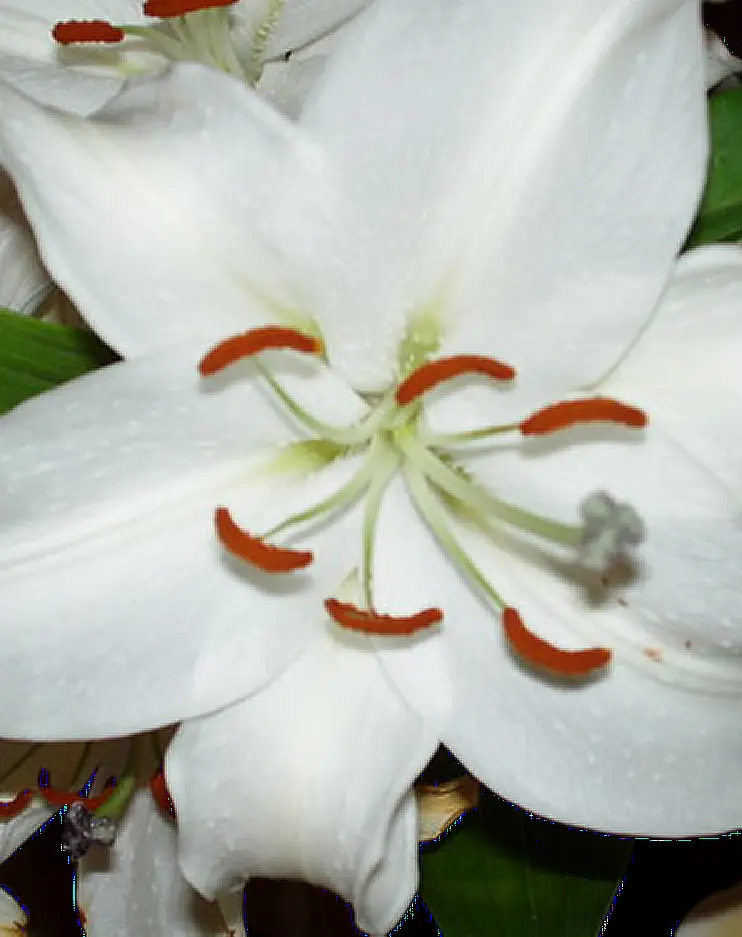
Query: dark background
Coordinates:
[664,879]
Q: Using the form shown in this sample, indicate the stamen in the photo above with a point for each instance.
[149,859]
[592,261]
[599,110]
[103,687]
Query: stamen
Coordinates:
[445,369]
[253,550]
[161,794]
[60,798]
[72,31]
[167,8]
[591,410]
[370,622]
[11,808]
[267,338]
[541,653]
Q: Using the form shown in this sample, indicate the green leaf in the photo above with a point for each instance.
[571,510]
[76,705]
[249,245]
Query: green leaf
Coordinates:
[35,356]
[720,215]
[503,871]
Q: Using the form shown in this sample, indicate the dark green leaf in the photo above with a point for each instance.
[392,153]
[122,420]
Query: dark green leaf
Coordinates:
[720,215]
[35,356]
[505,872]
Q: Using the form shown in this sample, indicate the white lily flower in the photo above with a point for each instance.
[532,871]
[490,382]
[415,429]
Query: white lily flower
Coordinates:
[416,214]
[278,45]
[76,55]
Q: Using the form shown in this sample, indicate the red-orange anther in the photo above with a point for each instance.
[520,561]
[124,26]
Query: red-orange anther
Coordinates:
[11,808]
[254,551]
[433,373]
[541,653]
[267,338]
[167,8]
[591,410]
[73,31]
[161,794]
[370,622]
[59,798]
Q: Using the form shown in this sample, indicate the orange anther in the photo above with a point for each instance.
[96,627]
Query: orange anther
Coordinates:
[161,794]
[541,653]
[370,622]
[72,31]
[433,373]
[167,8]
[591,410]
[254,551]
[60,798]
[11,808]
[267,338]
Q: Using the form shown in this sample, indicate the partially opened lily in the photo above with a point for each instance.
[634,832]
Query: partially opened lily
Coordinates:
[76,55]
[423,436]
[79,63]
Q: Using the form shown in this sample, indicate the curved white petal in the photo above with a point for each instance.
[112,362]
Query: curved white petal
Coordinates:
[23,281]
[136,886]
[684,370]
[186,208]
[113,583]
[626,753]
[506,171]
[309,778]
[13,918]
[303,22]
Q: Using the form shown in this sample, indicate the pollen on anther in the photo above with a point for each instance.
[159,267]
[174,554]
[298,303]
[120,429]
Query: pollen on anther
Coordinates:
[429,375]
[79,31]
[540,653]
[568,413]
[256,552]
[370,622]
[164,9]
[248,344]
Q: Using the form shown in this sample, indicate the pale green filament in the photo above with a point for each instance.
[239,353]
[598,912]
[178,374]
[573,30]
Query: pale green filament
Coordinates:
[342,436]
[445,440]
[340,499]
[386,464]
[430,508]
[475,497]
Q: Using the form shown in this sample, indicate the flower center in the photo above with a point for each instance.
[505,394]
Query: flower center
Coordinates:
[187,31]
[392,440]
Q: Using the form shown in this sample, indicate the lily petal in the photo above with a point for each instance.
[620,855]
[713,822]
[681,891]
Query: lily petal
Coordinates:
[685,366]
[23,281]
[137,887]
[495,142]
[177,208]
[302,23]
[310,778]
[626,752]
[114,482]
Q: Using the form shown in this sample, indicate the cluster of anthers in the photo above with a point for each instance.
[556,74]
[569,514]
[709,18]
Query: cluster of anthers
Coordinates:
[186,30]
[88,820]
[393,439]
